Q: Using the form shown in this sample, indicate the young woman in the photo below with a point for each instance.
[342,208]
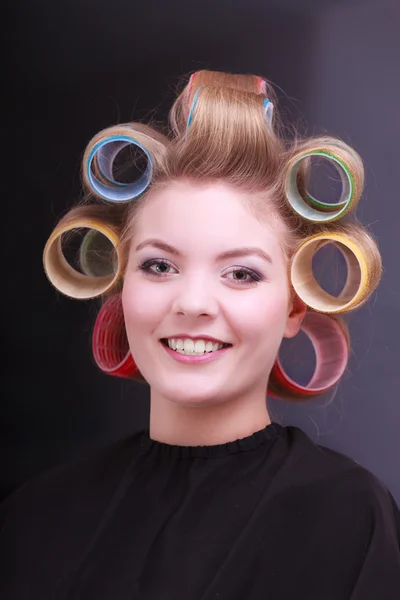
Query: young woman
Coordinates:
[204,265]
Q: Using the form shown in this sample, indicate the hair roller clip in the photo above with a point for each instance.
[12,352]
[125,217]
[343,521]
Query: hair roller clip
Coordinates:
[262,86]
[363,273]
[190,84]
[269,110]
[109,342]
[350,170]
[100,274]
[330,342]
[193,105]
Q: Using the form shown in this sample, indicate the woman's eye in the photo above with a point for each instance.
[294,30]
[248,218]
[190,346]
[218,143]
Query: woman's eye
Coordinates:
[244,276]
[157,267]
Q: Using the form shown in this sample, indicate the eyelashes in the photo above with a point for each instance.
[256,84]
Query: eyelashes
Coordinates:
[247,276]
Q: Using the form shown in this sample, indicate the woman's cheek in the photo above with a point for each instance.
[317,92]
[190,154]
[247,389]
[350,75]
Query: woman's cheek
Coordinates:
[142,301]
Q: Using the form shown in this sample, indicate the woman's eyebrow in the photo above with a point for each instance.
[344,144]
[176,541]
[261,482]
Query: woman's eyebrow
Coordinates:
[235,252]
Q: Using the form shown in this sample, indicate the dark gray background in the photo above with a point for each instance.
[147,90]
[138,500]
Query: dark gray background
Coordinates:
[76,67]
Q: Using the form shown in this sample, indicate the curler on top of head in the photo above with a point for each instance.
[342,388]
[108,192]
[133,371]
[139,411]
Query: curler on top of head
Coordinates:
[243,83]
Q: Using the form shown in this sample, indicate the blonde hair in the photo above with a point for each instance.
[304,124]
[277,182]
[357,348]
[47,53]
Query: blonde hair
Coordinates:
[219,130]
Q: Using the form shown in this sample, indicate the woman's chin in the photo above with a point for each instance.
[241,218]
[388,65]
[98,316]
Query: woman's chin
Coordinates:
[193,396]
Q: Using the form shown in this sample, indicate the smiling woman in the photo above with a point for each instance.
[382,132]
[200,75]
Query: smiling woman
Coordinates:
[204,263]
[197,281]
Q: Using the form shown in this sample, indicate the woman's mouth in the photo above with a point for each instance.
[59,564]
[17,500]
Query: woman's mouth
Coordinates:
[196,347]
[187,350]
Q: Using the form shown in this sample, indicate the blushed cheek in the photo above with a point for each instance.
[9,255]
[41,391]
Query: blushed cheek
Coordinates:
[267,317]
[278,311]
[141,305]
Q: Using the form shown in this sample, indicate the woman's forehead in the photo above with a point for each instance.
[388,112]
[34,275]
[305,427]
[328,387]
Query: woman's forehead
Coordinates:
[213,212]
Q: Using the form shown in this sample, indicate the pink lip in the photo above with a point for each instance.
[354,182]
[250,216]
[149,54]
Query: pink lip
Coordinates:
[183,336]
[184,358]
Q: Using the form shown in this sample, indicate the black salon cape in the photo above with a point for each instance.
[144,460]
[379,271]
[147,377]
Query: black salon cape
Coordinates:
[273,516]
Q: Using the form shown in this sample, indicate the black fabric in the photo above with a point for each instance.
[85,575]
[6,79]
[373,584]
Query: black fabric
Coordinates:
[272,516]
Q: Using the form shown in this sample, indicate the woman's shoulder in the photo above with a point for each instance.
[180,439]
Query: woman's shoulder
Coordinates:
[337,513]
[334,478]
[90,479]
[319,463]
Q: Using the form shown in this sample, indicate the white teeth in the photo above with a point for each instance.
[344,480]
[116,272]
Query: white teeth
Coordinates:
[188,346]
[209,346]
[193,348]
[199,346]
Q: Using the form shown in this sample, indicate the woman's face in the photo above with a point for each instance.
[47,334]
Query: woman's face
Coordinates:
[204,270]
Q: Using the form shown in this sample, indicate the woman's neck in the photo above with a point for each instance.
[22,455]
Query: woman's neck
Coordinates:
[183,425]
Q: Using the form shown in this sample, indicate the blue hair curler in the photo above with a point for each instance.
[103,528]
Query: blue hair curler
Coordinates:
[114,191]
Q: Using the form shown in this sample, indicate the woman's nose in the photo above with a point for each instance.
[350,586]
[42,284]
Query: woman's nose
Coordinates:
[196,297]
